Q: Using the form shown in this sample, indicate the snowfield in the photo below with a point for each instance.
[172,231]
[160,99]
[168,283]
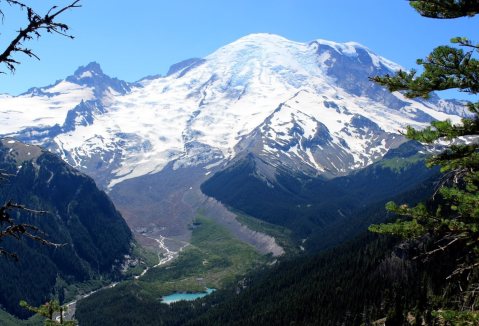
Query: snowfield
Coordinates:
[306,101]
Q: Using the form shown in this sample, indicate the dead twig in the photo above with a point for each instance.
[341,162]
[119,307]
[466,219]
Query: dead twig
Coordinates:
[35,24]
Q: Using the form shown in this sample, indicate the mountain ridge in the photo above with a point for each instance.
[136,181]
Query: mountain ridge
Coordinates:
[297,107]
[207,106]
[79,215]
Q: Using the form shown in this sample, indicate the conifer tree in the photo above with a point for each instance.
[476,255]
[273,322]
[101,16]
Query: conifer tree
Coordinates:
[50,310]
[447,67]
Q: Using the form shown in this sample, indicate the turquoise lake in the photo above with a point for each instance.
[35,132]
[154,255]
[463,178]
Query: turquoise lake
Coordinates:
[187,296]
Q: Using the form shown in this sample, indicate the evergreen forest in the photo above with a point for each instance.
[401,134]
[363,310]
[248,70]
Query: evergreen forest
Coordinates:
[78,214]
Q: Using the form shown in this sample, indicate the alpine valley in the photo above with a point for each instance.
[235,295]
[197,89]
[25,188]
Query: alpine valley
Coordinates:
[276,143]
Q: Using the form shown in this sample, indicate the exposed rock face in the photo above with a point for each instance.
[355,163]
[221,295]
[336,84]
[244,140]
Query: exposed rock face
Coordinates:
[214,210]
[181,65]
[92,76]
[167,210]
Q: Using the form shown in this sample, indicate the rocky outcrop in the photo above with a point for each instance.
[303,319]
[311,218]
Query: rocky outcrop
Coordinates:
[216,211]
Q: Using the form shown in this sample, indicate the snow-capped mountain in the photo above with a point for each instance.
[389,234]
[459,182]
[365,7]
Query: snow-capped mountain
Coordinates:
[305,106]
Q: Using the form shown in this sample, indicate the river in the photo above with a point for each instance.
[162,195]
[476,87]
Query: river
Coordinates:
[169,255]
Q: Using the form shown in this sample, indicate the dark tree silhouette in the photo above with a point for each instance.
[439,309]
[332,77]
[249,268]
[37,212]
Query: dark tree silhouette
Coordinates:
[456,221]
[36,24]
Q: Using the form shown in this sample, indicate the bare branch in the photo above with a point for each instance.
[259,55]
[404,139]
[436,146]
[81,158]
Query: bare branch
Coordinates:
[440,248]
[36,23]
[461,270]
[451,175]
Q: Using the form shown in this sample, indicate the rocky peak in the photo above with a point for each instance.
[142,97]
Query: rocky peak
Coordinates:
[92,75]
[92,67]
[181,65]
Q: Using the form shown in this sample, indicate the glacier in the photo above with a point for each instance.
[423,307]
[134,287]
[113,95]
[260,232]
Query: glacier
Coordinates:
[308,106]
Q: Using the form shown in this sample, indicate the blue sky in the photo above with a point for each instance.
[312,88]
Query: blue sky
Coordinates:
[133,39]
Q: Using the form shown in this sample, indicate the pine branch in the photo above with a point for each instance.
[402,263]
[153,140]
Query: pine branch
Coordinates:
[445,68]
[445,9]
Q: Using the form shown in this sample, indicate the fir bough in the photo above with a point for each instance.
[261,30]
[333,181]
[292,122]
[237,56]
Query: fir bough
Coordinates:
[456,223]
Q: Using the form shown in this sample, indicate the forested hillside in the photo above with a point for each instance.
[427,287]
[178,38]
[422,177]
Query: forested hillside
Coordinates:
[306,205]
[79,215]
[365,279]
[346,227]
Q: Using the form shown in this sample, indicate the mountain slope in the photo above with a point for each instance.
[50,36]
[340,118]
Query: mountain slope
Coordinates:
[294,201]
[307,105]
[297,108]
[361,281]
[306,204]
[80,215]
